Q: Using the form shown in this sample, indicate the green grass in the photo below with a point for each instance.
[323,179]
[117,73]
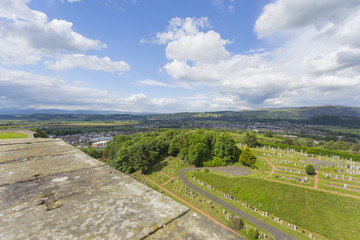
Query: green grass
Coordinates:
[346,130]
[333,216]
[9,135]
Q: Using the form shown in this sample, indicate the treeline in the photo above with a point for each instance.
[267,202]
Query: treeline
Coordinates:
[198,147]
[62,131]
[315,151]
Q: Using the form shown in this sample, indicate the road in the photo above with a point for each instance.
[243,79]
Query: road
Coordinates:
[192,206]
[276,233]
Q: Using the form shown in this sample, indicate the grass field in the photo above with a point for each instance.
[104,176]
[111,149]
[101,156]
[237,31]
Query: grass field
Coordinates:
[171,166]
[9,135]
[333,216]
[346,130]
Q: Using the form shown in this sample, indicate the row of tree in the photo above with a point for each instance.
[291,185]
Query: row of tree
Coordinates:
[198,147]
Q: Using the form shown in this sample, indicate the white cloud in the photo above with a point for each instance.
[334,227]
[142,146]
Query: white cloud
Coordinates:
[72,1]
[65,62]
[328,62]
[150,82]
[290,14]
[314,63]
[20,89]
[27,35]
[185,41]
[179,27]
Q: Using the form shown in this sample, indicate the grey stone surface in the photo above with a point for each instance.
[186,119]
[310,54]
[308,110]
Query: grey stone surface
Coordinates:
[51,190]
[193,226]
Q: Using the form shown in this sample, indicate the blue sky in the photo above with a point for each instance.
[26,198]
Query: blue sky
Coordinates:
[178,55]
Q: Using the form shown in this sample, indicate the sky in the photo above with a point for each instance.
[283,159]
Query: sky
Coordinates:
[178,55]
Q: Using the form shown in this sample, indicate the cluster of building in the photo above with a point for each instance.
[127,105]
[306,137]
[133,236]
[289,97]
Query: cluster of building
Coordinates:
[97,139]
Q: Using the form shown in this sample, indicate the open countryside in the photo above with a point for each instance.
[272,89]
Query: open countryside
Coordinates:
[181,119]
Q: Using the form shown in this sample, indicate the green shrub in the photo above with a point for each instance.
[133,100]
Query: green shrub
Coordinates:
[253,234]
[310,170]
[236,223]
[247,158]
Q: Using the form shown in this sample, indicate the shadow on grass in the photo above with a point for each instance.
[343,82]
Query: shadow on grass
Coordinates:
[158,167]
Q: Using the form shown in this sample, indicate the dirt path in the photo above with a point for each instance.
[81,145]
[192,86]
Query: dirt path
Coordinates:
[276,233]
[316,182]
[272,166]
[318,189]
[192,206]
[165,174]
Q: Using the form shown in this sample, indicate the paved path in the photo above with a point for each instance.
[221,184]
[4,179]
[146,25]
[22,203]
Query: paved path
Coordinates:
[192,206]
[277,234]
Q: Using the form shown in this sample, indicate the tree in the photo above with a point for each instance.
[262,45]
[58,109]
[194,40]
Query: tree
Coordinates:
[236,223]
[268,134]
[225,147]
[251,140]
[309,142]
[310,170]
[39,133]
[92,152]
[288,141]
[253,234]
[246,157]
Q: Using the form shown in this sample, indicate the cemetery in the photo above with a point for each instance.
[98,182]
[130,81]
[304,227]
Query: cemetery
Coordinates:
[277,178]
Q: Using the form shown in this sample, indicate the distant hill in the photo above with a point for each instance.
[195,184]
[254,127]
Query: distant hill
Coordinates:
[278,114]
[11,111]
[318,115]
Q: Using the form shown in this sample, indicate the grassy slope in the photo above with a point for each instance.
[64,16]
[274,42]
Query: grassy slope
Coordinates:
[333,216]
[8,135]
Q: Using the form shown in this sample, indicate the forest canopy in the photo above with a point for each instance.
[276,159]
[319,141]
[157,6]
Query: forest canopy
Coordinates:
[199,147]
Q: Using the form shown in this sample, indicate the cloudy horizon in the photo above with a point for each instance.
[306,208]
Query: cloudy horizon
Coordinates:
[147,56]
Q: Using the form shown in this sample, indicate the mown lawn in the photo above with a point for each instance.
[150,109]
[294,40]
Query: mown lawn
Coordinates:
[8,135]
[333,216]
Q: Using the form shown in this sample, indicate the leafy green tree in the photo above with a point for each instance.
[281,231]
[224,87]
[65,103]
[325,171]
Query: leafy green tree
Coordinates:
[356,148]
[92,152]
[251,140]
[39,133]
[288,141]
[225,147]
[309,142]
[310,170]
[176,144]
[246,157]
[253,234]
[215,162]
[268,134]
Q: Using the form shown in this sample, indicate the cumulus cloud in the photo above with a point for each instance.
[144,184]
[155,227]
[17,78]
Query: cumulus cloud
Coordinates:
[330,62]
[88,62]
[285,14]
[26,35]
[318,60]
[20,89]
[201,57]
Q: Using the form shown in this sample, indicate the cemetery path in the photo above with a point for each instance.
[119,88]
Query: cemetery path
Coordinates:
[272,167]
[193,207]
[165,174]
[316,180]
[167,181]
[276,233]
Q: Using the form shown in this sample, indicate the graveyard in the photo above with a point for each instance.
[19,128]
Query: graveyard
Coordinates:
[277,191]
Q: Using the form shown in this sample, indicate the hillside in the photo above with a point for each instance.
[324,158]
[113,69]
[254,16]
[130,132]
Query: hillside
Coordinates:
[334,115]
